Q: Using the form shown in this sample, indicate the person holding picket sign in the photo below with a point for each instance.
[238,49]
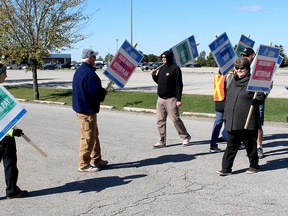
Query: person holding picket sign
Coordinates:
[250,55]
[221,82]
[9,156]
[238,102]
[170,86]
[86,97]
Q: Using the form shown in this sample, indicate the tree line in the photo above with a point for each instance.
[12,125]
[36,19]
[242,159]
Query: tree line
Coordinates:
[208,61]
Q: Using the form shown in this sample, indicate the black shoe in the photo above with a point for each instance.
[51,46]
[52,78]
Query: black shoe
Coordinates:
[21,194]
[223,173]
[221,139]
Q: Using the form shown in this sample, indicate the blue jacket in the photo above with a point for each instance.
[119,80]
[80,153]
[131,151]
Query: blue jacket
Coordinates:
[87,90]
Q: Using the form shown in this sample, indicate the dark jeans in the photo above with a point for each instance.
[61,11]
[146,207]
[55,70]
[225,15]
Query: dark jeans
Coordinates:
[233,144]
[9,157]
[216,130]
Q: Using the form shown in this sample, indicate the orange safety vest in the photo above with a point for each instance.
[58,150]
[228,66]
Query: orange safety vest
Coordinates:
[219,87]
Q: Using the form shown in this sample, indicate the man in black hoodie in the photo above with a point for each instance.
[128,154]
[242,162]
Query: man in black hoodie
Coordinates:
[170,86]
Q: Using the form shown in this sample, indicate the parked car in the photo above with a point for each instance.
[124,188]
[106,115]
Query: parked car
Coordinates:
[75,67]
[157,64]
[9,66]
[192,65]
[49,66]
[22,66]
[98,66]
[144,66]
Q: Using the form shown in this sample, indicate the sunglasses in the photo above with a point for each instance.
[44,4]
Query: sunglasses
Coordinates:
[240,68]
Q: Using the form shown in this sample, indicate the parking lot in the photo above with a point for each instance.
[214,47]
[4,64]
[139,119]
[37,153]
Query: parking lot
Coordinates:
[196,80]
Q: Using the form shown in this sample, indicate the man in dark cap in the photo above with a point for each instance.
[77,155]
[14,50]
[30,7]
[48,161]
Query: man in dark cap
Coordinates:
[9,156]
[86,97]
[249,54]
[170,87]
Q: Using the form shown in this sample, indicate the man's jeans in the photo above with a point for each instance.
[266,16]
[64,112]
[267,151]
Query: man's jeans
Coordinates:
[216,130]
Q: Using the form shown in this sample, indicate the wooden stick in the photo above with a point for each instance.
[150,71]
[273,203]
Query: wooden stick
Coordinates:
[33,144]
[250,112]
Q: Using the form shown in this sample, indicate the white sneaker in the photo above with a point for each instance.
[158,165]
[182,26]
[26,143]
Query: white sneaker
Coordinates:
[89,168]
[186,141]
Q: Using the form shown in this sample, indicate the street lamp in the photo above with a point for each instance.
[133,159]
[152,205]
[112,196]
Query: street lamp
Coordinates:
[116,45]
[131,23]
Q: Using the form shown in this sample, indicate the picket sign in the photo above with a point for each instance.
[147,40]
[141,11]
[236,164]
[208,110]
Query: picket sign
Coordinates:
[123,65]
[264,68]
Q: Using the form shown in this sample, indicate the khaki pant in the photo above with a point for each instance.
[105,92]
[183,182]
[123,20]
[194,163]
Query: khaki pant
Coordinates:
[90,151]
[168,107]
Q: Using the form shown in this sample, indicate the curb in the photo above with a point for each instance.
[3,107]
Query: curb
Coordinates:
[134,109]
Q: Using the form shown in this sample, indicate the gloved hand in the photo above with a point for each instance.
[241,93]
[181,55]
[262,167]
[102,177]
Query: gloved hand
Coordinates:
[17,132]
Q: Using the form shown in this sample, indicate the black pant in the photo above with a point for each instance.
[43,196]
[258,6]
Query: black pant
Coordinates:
[233,143]
[9,157]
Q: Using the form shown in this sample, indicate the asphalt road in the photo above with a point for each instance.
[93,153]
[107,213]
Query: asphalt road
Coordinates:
[141,180]
[195,80]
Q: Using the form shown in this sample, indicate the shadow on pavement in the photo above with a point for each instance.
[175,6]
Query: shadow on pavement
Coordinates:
[88,185]
[153,161]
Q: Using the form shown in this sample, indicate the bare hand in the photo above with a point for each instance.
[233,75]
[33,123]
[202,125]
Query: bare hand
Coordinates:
[153,72]
[178,103]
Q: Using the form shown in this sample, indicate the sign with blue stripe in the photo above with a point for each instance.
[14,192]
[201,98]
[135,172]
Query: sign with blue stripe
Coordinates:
[223,53]
[11,112]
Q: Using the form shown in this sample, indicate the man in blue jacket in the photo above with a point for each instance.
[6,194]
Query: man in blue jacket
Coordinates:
[87,95]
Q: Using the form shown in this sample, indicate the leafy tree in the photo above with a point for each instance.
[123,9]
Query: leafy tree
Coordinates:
[153,58]
[210,62]
[284,62]
[31,29]
[201,58]
[108,57]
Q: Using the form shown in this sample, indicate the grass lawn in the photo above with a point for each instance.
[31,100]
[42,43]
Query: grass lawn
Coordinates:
[275,108]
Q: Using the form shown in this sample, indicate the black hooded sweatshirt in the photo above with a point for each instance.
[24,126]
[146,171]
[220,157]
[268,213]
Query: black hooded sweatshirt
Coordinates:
[169,79]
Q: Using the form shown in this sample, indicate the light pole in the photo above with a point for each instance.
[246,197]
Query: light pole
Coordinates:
[116,45]
[131,23]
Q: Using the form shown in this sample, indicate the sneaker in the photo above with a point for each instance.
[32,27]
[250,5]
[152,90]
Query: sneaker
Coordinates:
[252,170]
[215,150]
[186,141]
[159,145]
[242,146]
[260,153]
[222,173]
[89,168]
[100,164]
[21,194]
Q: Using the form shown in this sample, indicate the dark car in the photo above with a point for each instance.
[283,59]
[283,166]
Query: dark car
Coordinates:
[192,65]
[49,67]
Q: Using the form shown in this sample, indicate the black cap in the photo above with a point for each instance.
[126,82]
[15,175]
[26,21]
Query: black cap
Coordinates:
[247,52]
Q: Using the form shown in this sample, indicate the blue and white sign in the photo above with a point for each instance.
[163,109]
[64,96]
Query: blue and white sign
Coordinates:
[264,67]
[223,53]
[185,51]
[243,43]
[123,64]
[10,112]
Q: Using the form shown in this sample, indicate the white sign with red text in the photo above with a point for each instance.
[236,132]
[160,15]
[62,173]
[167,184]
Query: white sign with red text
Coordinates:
[123,64]
[263,69]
